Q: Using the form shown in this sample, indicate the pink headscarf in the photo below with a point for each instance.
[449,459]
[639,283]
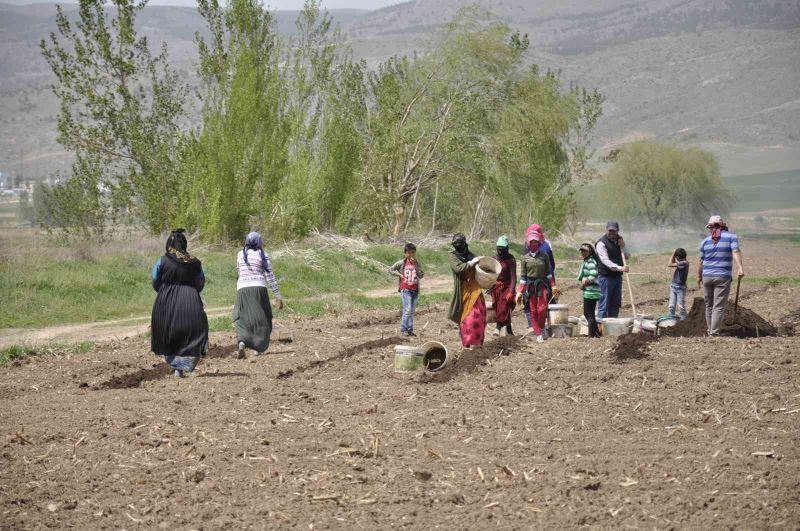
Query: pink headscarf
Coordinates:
[533,238]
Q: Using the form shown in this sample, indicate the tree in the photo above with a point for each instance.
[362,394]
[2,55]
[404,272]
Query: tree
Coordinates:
[665,185]
[120,108]
[280,141]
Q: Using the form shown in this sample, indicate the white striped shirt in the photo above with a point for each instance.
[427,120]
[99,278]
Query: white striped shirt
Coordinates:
[254,273]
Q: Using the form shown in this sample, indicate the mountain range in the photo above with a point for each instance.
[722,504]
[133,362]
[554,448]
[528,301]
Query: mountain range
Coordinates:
[723,74]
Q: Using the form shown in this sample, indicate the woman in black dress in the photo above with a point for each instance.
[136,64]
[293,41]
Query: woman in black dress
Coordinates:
[179,324]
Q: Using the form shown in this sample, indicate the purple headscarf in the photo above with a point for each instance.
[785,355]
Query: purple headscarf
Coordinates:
[256,243]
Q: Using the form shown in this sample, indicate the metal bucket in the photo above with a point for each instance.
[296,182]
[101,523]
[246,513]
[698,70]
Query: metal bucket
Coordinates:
[434,356]
[561,331]
[559,314]
[617,326]
[407,358]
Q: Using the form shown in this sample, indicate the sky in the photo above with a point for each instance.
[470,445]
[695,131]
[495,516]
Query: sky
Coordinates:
[273,4]
[332,4]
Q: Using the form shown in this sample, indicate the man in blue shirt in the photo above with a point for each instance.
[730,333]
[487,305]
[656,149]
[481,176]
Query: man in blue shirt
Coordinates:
[718,252]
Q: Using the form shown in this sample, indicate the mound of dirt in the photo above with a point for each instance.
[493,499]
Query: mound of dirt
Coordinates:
[748,323]
[632,346]
[135,379]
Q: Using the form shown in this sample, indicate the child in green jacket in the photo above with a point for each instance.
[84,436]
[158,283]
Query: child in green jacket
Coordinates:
[587,275]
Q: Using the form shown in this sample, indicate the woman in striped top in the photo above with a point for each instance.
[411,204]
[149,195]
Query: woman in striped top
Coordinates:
[252,314]
[587,275]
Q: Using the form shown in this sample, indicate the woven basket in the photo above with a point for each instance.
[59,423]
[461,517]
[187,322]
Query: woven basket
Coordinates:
[487,271]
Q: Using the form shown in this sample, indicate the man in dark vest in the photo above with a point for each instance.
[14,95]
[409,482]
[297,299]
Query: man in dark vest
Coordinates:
[610,249]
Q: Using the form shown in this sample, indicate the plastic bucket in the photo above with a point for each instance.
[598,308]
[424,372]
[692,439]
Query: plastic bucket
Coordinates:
[487,271]
[617,326]
[407,358]
[559,314]
[434,356]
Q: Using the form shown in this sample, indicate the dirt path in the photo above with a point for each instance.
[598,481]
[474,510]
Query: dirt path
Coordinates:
[118,329]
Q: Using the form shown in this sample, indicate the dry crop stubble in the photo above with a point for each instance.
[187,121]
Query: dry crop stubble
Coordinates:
[699,433]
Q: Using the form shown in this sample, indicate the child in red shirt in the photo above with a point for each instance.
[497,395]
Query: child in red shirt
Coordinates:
[409,271]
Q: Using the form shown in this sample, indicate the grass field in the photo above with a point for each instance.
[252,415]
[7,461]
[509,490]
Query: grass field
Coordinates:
[45,282]
[766,191]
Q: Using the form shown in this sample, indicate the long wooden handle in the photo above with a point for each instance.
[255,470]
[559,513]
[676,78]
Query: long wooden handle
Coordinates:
[628,280]
[736,301]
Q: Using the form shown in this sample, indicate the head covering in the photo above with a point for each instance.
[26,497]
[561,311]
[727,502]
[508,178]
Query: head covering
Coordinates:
[502,241]
[533,237]
[255,242]
[461,249]
[716,225]
[176,246]
[612,225]
[588,247]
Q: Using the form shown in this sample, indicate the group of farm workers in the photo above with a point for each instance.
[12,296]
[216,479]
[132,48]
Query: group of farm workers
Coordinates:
[179,324]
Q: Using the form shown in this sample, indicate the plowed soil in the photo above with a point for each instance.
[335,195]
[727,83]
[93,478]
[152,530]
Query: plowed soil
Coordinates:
[321,434]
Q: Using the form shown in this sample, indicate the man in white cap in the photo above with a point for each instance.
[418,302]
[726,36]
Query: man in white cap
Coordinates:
[718,252]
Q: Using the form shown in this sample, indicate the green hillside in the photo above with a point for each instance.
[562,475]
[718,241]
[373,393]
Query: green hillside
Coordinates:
[765,191]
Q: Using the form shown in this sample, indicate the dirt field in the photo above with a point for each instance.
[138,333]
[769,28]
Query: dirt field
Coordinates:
[321,434]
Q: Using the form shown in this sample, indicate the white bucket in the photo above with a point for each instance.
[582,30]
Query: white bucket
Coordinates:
[617,326]
[407,358]
[559,314]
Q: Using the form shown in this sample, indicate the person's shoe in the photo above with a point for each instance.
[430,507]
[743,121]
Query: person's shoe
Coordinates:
[404,334]
[412,334]
[496,332]
[240,351]
[178,373]
[540,339]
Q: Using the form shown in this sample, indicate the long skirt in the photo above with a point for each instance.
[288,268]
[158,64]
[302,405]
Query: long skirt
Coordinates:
[179,326]
[503,304]
[473,326]
[252,316]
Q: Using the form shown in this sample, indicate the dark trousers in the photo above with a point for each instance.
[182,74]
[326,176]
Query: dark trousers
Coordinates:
[589,306]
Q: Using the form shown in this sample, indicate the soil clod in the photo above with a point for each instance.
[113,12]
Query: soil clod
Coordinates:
[632,346]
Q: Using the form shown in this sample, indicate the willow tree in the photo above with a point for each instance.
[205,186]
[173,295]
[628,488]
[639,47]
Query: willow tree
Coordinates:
[429,116]
[665,185]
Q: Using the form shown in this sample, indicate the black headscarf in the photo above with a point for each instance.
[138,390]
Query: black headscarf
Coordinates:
[176,246]
[460,247]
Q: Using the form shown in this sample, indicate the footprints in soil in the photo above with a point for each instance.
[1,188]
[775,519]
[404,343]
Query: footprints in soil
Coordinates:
[162,370]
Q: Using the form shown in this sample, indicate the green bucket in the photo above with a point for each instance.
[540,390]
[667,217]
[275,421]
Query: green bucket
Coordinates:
[407,358]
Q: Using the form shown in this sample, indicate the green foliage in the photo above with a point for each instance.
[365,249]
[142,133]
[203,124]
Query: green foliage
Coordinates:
[16,352]
[120,106]
[296,136]
[665,185]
